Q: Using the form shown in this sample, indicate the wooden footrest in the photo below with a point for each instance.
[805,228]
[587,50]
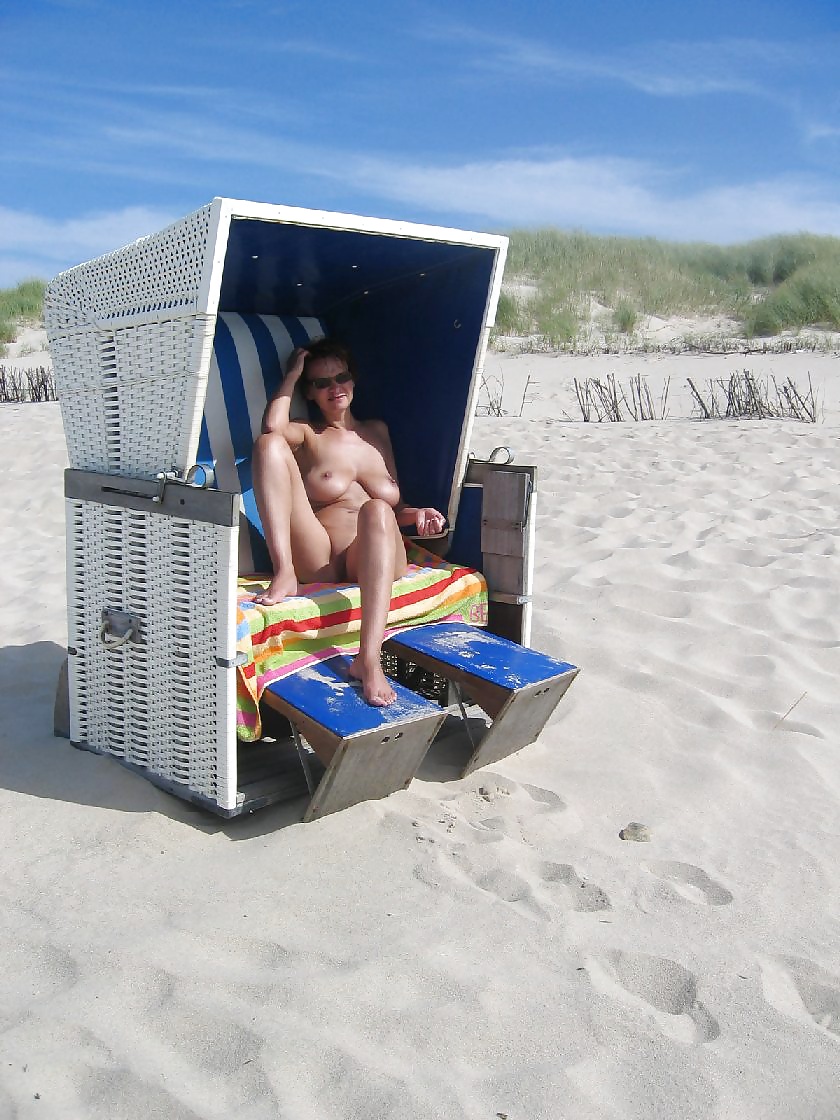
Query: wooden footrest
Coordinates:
[368,752]
[517,687]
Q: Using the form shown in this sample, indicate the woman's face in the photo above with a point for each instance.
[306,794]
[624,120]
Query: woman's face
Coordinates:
[328,383]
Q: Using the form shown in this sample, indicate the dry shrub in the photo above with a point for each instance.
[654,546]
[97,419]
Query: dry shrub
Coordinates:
[745,397]
[19,386]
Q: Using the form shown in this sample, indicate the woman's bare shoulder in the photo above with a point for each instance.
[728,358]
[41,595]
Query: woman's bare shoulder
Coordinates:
[298,432]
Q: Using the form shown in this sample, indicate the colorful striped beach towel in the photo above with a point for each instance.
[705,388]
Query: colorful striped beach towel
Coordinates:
[273,642]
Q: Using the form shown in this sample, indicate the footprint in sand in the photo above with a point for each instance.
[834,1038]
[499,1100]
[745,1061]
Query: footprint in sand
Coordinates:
[546,800]
[519,805]
[801,989]
[690,882]
[509,887]
[661,987]
[503,884]
[584,896]
[530,888]
[467,853]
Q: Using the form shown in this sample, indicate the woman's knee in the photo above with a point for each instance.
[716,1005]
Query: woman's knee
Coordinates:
[377,516]
[271,447]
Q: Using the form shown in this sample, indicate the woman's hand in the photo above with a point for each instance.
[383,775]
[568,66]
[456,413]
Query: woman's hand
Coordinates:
[276,415]
[429,522]
[294,366]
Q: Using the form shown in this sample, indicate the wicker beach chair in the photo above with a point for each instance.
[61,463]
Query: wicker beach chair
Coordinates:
[163,353]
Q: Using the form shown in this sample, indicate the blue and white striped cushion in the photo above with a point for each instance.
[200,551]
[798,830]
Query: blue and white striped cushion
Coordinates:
[249,354]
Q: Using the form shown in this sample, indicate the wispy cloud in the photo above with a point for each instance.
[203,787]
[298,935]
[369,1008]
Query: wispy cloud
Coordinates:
[610,195]
[276,44]
[663,69]
[129,128]
[531,188]
[79,5]
[820,130]
[32,245]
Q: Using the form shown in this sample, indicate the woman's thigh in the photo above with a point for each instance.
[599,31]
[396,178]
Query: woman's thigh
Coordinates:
[399,565]
[312,549]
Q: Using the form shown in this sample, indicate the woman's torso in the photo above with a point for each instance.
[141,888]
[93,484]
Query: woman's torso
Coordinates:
[345,468]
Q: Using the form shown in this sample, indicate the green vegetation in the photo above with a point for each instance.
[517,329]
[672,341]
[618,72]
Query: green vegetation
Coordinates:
[625,316]
[770,285]
[23,302]
[510,318]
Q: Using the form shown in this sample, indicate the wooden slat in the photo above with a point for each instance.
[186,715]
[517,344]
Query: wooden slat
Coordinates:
[520,722]
[518,688]
[504,513]
[373,765]
[271,790]
[323,741]
[504,574]
[368,751]
[61,711]
[192,503]
[490,697]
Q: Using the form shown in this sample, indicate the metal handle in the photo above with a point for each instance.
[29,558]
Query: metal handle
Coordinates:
[208,476]
[498,451]
[118,628]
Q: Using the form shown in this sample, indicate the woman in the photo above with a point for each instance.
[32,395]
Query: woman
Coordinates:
[329,501]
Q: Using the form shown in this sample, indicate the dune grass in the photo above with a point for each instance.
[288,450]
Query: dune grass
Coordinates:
[25,301]
[770,285]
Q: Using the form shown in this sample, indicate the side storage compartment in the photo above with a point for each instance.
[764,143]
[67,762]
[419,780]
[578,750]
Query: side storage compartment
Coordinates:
[495,533]
[151,630]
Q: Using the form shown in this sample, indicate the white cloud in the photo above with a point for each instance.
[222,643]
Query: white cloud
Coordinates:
[660,68]
[32,245]
[615,195]
[600,195]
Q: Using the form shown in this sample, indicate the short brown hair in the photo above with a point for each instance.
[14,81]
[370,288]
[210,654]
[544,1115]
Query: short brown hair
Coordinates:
[328,348]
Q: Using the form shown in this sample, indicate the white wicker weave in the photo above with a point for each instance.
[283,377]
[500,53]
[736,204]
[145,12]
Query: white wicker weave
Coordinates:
[164,704]
[131,335]
[131,347]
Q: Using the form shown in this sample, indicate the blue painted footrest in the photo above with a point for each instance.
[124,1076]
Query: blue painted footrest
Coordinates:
[327,694]
[482,655]
[369,752]
[519,688]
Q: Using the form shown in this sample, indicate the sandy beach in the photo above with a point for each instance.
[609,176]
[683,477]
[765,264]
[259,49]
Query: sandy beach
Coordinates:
[485,948]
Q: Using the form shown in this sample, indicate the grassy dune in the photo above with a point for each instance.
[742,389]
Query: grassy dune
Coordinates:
[775,284]
[768,286]
[19,304]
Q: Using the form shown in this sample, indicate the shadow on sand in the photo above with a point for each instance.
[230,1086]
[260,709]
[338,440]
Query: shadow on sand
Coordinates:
[35,762]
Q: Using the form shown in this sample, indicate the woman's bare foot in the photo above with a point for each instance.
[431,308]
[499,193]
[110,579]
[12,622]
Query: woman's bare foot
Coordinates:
[282,585]
[375,685]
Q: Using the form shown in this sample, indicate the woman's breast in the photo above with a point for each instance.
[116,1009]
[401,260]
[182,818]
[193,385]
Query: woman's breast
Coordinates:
[381,486]
[323,486]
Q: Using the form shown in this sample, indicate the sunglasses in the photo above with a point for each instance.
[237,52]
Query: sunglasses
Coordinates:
[325,382]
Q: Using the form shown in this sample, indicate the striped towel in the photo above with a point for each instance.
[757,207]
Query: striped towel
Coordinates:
[278,640]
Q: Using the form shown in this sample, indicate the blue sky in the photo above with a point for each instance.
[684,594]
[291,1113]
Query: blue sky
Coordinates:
[681,120]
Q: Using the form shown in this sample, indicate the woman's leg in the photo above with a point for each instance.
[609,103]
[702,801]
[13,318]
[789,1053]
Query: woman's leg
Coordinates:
[298,544]
[374,560]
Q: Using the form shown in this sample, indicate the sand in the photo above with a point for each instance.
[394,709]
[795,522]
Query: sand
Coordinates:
[487,947]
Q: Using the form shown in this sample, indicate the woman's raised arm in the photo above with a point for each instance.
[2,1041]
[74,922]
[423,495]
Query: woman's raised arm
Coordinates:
[276,415]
